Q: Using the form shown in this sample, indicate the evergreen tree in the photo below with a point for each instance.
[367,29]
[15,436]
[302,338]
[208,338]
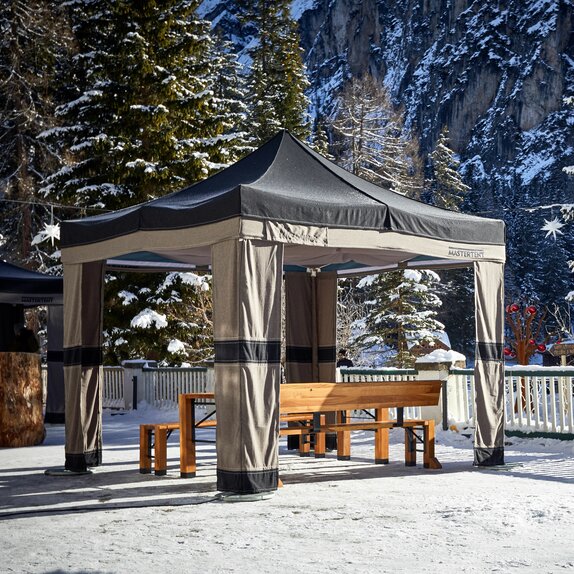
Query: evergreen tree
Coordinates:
[148,114]
[446,188]
[456,291]
[34,37]
[402,312]
[371,141]
[181,332]
[141,121]
[230,108]
[276,80]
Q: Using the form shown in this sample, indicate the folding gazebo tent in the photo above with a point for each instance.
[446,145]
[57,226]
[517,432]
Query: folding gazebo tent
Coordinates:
[284,207]
[21,288]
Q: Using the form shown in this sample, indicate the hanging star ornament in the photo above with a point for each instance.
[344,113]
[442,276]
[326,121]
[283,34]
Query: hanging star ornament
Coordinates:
[50,232]
[553,227]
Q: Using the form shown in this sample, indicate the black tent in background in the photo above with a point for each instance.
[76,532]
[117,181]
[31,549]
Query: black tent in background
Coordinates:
[21,288]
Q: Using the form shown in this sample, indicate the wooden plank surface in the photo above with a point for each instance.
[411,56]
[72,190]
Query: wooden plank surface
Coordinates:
[347,396]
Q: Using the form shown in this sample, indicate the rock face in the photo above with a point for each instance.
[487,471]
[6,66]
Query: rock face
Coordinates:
[496,73]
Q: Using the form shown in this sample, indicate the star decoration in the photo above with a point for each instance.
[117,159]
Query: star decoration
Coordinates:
[50,231]
[553,227]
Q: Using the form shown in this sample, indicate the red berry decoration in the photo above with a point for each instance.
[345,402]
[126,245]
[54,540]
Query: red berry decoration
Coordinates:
[541,347]
[532,343]
[508,308]
[514,307]
[531,310]
[507,352]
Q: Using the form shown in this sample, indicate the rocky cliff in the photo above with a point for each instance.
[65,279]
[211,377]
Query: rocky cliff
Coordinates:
[495,72]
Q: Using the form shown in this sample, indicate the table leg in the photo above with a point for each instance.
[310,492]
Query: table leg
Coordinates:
[410,447]
[430,461]
[145,449]
[343,437]
[187,460]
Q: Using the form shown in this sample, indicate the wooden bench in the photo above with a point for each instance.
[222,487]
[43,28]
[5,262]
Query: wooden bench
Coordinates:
[342,398]
[153,444]
[154,436]
[306,402]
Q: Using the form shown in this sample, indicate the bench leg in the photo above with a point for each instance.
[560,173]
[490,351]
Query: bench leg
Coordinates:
[320,441]
[187,463]
[160,451]
[430,461]
[382,438]
[410,447]
[343,439]
[145,449]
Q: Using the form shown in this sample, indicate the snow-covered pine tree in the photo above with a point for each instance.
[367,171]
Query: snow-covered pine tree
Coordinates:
[402,314]
[446,187]
[144,120]
[34,35]
[276,80]
[230,108]
[370,140]
[175,312]
[140,121]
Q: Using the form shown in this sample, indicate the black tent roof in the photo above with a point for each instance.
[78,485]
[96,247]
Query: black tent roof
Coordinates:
[25,287]
[286,181]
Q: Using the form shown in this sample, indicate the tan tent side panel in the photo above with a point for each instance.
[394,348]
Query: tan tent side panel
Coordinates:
[247,327]
[83,371]
[489,365]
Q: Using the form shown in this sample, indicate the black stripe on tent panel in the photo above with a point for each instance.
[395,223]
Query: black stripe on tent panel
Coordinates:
[247,482]
[489,351]
[54,418]
[489,456]
[248,352]
[305,354]
[55,356]
[84,356]
[80,462]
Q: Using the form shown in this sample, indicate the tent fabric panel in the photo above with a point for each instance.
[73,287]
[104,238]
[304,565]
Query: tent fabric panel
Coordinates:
[56,396]
[163,242]
[489,364]
[310,325]
[247,279]
[83,371]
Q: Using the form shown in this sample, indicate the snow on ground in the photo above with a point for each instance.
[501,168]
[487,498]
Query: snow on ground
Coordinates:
[331,516]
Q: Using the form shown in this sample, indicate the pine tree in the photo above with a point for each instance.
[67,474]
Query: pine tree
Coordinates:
[140,122]
[148,114]
[446,188]
[371,141]
[276,81]
[173,325]
[34,38]
[402,312]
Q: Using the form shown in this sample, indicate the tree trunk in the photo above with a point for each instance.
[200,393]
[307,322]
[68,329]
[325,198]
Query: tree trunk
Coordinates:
[21,416]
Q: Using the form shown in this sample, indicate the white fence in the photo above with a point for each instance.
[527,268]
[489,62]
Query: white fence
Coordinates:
[162,387]
[366,375]
[536,398]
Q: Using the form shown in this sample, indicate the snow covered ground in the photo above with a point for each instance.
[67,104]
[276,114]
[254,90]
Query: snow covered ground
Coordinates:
[331,516]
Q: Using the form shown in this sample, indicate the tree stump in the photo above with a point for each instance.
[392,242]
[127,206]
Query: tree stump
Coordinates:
[21,417]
